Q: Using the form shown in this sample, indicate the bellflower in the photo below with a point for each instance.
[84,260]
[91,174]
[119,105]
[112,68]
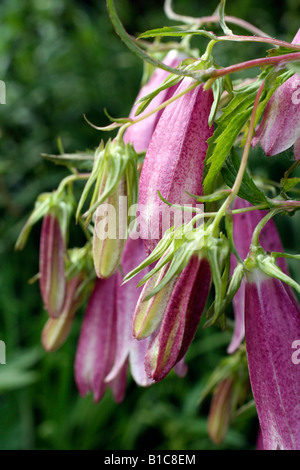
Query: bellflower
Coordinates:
[174,160]
[280,125]
[126,298]
[140,133]
[272,324]
[97,344]
[243,227]
[180,314]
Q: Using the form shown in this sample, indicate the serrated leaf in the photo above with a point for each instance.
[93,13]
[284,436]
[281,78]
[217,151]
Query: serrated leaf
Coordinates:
[229,125]
[248,189]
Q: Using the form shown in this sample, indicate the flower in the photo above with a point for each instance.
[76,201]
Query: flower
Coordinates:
[243,226]
[96,348]
[128,348]
[51,265]
[280,125]
[140,133]
[272,323]
[174,160]
[220,411]
[179,311]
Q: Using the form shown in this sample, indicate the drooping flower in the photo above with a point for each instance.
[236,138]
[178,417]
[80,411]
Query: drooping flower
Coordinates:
[128,348]
[174,160]
[243,227]
[272,323]
[280,125]
[140,133]
[182,307]
[95,353]
[51,265]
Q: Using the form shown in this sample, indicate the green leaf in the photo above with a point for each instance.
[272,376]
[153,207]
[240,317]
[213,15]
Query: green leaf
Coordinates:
[132,45]
[289,183]
[279,51]
[81,161]
[229,125]
[175,31]
[248,189]
[223,24]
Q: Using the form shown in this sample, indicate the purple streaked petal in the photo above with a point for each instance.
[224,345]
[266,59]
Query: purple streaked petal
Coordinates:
[96,346]
[118,384]
[140,133]
[137,361]
[174,160]
[180,320]
[272,320]
[126,298]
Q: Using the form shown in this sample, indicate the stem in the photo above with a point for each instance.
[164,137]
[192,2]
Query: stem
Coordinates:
[240,175]
[268,40]
[69,179]
[261,224]
[211,19]
[215,73]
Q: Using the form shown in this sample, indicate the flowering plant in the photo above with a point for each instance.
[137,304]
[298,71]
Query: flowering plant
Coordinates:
[170,204]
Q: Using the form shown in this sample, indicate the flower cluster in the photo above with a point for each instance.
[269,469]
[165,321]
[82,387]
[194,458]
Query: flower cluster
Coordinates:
[177,230]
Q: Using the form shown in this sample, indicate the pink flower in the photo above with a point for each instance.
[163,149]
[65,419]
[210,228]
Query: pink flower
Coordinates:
[97,344]
[140,133]
[280,125]
[182,307]
[174,160]
[272,324]
[243,227]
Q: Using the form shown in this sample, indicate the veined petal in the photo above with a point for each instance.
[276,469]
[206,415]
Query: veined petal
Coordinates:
[174,161]
[243,227]
[272,320]
[184,309]
[140,133]
[96,347]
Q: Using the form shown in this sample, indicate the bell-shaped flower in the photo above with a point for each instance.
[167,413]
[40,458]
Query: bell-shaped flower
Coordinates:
[280,125]
[97,344]
[174,161]
[139,134]
[128,348]
[272,324]
[243,227]
[182,310]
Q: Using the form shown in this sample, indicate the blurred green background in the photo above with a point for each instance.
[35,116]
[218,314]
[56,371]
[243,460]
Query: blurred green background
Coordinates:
[61,59]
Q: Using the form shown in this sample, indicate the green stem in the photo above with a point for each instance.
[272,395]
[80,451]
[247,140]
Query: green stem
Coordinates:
[261,224]
[236,187]
[70,179]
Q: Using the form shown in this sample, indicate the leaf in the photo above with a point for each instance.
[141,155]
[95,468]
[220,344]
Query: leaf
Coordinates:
[229,125]
[81,161]
[248,189]
[289,183]
[176,31]
[223,24]
[279,51]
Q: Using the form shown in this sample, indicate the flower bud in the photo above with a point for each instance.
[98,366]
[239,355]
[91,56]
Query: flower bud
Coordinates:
[272,324]
[140,133]
[110,232]
[220,411]
[174,160]
[280,125]
[51,265]
[182,315]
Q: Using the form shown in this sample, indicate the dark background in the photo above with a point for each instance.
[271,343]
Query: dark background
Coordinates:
[61,59]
